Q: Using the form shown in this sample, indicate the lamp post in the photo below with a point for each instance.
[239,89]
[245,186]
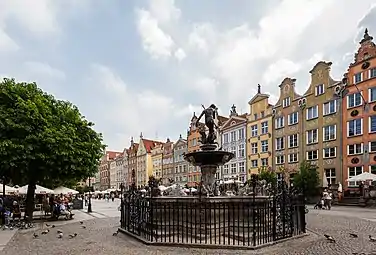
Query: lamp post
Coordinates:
[89,210]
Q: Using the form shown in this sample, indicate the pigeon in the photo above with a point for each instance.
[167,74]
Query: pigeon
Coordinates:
[83,226]
[45,232]
[115,234]
[81,222]
[73,235]
[330,238]
[353,235]
[35,235]
[60,235]
[47,225]
[53,226]
[372,239]
[59,231]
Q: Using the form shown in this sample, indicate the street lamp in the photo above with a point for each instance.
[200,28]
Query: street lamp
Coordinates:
[89,210]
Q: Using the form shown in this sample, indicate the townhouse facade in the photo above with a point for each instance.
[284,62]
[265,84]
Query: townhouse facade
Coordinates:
[125,169]
[259,133]
[168,162]
[359,112]
[156,159]
[104,169]
[180,165]
[112,170]
[234,139]
[119,161]
[132,163]
[193,144]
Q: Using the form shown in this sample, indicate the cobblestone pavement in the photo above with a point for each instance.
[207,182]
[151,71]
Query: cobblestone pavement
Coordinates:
[97,239]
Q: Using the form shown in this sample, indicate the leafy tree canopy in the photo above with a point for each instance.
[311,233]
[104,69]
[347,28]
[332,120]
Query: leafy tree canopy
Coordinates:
[44,140]
[268,175]
[307,179]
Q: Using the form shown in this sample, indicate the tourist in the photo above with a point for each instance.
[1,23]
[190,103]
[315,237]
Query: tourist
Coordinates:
[327,199]
[339,192]
[113,197]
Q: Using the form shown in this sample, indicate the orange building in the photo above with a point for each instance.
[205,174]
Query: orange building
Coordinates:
[359,113]
[193,137]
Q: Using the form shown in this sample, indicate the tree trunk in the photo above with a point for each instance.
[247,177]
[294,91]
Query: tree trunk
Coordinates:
[30,201]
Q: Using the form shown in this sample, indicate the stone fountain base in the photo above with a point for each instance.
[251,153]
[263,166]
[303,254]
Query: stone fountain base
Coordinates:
[211,220]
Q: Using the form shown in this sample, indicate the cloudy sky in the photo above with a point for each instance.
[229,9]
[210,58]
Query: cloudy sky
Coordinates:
[146,65]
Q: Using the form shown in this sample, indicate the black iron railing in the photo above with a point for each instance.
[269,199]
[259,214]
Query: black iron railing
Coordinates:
[229,221]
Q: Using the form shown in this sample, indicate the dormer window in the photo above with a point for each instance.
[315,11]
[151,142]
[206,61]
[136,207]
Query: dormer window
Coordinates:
[286,102]
[319,90]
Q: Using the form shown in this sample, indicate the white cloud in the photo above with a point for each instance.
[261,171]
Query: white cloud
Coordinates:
[164,10]
[280,69]
[133,111]
[180,54]
[7,44]
[39,69]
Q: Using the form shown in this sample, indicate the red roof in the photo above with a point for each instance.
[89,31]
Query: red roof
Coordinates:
[113,154]
[150,144]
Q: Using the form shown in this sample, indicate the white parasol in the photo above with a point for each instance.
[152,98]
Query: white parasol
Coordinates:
[324,180]
[38,190]
[366,176]
[65,191]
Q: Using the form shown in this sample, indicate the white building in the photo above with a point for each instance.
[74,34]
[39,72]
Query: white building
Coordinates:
[118,171]
[113,174]
[233,134]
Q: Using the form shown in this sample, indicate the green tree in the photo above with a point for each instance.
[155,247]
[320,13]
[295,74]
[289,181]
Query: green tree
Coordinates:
[268,175]
[44,140]
[307,179]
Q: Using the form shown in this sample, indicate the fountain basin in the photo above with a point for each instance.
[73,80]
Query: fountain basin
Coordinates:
[209,157]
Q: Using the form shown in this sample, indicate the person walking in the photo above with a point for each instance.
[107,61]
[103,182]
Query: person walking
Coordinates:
[327,199]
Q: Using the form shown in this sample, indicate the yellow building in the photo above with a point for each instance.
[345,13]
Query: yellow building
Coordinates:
[259,133]
[156,159]
[144,161]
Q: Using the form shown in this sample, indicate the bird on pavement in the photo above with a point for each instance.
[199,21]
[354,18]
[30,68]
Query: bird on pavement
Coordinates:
[45,232]
[47,225]
[59,231]
[330,238]
[115,234]
[60,235]
[81,222]
[372,239]
[35,235]
[73,235]
[83,226]
[353,235]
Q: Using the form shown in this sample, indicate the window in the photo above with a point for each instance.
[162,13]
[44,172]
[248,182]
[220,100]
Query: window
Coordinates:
[254,163]
[330,107]
[319,90]
[372,146]
[354,127]
[293,141]
[262,114]
[372,169]
[241,166]
[233,136]
[279,143]
[286,102]
[279,160]
[225,138]
[353,149]
[255,116]
[233,150]
[354,171]
[312,136]
[293,118]
[293,158]
[264,162]
[264,146]
[254,149]
[329,152]
[354,100]
[329,132]
[280,122]
[372,94]
[312,155]
[358,77]
[312,112]
[225,169]
[233,168]
[330,175]
[254,130]
[264,127]
[241,134]
[372,124]
[372,73]
[241,151]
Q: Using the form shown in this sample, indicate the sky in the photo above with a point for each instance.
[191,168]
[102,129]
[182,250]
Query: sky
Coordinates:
[146,65]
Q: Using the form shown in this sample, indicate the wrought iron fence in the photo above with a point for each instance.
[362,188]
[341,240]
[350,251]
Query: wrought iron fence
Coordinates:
[227,221]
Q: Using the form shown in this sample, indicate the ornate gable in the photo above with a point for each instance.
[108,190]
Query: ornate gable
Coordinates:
[366,50]
[234,121]
[287,89]
[320,74]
